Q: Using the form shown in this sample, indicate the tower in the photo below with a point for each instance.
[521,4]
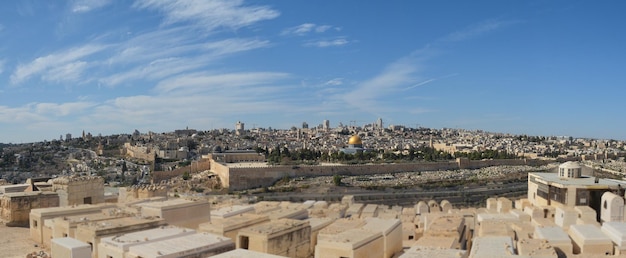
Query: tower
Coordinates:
[326,124]
[239,128]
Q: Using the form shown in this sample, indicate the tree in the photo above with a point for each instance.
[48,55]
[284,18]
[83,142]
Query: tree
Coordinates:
[186,176]
[337,180]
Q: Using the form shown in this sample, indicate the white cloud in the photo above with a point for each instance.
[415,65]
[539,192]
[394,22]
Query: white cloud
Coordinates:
[194,83]
[64,109]
[334,82]
[210,15]
[69,72]
[477,30]
[327,43]
[158,61]
[305,28]
[52,62]
[83,6]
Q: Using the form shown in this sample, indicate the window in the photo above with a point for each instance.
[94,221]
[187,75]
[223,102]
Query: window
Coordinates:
[34,224]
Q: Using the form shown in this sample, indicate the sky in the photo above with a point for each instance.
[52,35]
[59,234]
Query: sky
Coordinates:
[550,68]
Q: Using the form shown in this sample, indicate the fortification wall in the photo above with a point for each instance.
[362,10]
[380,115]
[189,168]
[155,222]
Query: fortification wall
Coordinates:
[196,166]
[241,178]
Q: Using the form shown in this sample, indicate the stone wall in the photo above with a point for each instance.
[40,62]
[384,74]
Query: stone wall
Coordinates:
[241,178]
[195,167]
[128,194]
[15,207]
[79,190]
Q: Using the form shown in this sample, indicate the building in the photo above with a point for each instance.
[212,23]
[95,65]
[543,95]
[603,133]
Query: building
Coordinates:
[76,190]
[286,237]
[16,207]
[355,145]
[92,232]
[118,246]
[240,128]
[569,188]
[70,248]
[41,219]
[179,212]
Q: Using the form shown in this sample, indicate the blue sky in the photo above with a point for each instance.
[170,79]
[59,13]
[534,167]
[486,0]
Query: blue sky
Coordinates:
[109,67]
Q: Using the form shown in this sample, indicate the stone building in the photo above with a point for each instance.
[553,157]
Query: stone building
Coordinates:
[37,217]
[286,237]
[79,190]
[178,212]
[16,207]
[92,232]
[136,192]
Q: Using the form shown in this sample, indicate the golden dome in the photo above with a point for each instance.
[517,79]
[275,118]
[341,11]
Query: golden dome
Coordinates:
[355,140]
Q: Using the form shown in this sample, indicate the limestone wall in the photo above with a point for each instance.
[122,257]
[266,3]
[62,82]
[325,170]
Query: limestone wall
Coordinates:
[79,190]
[240,178]
[128,194]
[195,167]
[15,207]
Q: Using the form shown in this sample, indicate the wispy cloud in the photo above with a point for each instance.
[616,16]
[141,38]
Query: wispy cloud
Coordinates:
[171,56]
[430,80]
[83,6]
[327,43]
[210,15]
[476,30]
[334,82]
[63,61]
[194,83]
[306,28]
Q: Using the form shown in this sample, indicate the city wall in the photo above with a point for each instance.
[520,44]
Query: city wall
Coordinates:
[241,178]
[195,167]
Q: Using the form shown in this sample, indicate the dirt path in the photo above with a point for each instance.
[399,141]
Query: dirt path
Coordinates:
[15,242]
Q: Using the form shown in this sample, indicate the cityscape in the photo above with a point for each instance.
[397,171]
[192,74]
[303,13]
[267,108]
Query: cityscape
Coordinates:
[388,190]
[312,129]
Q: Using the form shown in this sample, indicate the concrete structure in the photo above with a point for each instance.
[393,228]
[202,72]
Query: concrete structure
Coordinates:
[65,226]
[93,232]
[118,246]
[230,226]
[40,217]
[568,188]
[179,212]
[196,245]
[232,210]
[557,237]
[69,248]
[79,190]
[589,240]
[612,208]
[565,217]
[492,246]
[536,248]
[418,251]
[286,237]
[238,253]
[16,207]
[616,231]
[370,237]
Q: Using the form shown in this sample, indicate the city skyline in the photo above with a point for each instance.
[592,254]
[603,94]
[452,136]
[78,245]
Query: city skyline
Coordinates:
[110,67]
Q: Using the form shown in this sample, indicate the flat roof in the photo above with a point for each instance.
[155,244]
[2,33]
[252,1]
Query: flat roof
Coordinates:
[589,234]
[118,222]
[234,222]
[70,243]
[351,239]
[418,251]
[232,210]
[149,235]
[492,246]
[582,181]
[275,226]
[197,242]
[238,253]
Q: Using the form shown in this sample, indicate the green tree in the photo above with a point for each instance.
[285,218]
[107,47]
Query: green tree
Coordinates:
[337,180]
